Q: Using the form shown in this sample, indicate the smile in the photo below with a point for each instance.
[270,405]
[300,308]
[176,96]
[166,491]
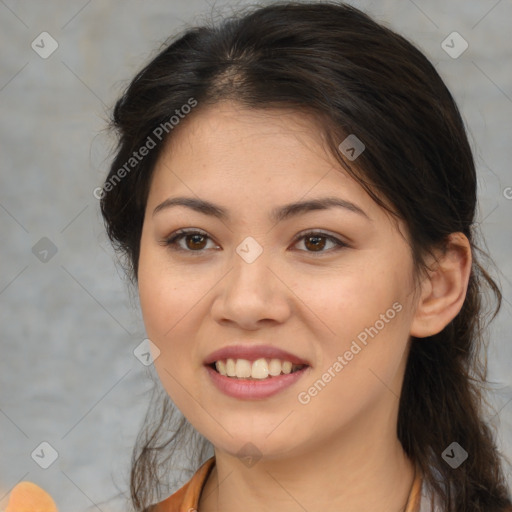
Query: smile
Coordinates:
[249,388]
[255,370]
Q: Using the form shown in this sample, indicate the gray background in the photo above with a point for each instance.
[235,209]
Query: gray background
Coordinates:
[68,375]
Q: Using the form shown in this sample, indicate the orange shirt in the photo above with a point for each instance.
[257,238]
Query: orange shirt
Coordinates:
[186,499]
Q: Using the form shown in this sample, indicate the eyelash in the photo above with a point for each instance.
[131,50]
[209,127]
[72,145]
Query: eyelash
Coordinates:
[182,233]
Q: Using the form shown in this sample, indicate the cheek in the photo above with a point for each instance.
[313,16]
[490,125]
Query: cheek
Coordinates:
[165,293]
[166,306]
[355,300]
[368,313]
[361,366]
[173,305]
[161,300]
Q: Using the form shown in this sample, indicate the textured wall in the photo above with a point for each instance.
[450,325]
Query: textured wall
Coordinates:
[68,325]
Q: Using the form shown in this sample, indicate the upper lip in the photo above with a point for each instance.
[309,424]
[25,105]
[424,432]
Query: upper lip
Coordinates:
[252,353]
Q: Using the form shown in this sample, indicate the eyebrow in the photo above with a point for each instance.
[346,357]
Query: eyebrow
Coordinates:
[276,215]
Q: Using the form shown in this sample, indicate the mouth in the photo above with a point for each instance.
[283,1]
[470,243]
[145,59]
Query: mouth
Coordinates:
[258,370]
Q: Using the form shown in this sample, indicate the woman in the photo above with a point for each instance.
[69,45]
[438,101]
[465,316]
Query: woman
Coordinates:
[295,196]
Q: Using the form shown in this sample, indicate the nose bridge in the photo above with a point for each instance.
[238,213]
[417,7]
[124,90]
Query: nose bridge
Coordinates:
[251,292]
[251,263]
[250,250]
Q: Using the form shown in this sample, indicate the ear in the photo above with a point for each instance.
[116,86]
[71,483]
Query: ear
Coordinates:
[443,289]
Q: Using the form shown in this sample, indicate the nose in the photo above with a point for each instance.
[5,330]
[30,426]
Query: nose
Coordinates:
[252,295]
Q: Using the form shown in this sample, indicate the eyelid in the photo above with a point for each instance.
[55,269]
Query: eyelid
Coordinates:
[173,238]
[320,232]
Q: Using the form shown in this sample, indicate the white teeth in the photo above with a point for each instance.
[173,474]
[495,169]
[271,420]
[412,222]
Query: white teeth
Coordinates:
[243,368]
[221,367]
[259,369]
[230,368]
[287,367]
[274,368]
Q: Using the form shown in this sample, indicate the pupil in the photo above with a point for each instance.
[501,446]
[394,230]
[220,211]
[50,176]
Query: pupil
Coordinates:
[195,237]
[315,244]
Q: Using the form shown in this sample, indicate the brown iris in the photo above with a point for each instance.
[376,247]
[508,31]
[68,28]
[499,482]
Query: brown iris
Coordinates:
[316,245]
[195,243]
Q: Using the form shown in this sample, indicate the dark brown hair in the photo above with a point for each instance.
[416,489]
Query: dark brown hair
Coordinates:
[354,76]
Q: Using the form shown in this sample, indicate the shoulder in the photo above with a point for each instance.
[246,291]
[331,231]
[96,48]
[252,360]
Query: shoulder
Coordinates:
[187,497]
[29,496]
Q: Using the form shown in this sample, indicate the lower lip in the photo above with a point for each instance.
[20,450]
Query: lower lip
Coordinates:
[254,389]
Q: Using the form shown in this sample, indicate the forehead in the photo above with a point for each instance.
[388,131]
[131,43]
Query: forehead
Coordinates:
[226,113]
[226,139]
[257,159]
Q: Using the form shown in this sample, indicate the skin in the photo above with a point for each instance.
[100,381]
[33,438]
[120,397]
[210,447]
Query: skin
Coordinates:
[339,451]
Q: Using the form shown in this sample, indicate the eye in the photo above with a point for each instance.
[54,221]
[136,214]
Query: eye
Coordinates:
[316,240]
[195,241]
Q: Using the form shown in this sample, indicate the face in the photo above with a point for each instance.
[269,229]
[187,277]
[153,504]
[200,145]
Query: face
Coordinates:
[331,287]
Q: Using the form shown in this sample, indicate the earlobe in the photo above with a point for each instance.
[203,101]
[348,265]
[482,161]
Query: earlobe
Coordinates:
[444,288]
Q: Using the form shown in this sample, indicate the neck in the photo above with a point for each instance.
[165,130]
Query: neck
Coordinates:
[361,468]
